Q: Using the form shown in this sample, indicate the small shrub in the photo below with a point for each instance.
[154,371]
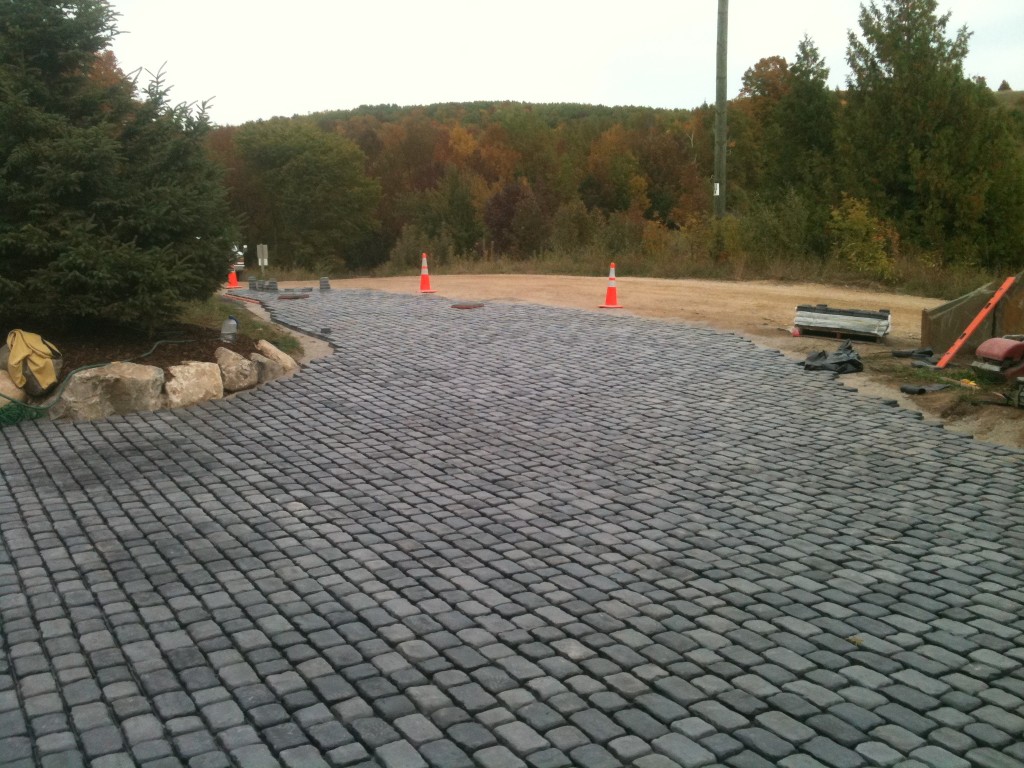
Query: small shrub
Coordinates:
[573,227]
[781,228]
[862,242]
[621,234]
[408,251]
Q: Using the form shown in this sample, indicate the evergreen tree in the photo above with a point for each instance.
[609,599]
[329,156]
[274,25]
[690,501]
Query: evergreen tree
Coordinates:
[806,121]
[923,143]
[110,211]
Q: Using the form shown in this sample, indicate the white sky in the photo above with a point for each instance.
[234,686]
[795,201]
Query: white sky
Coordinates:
[257,59]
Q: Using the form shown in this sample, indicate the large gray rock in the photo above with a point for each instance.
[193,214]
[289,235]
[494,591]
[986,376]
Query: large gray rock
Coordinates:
[116,388]
[268,350]
[236,372]
[192,383]
[267,369]
[10,390]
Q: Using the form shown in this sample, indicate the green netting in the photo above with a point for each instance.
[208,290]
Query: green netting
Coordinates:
[14,412]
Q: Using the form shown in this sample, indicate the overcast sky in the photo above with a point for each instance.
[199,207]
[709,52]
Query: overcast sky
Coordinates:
[258,60]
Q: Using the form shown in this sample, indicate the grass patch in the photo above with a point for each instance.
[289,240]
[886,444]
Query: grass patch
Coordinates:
[967,387]
[215,310]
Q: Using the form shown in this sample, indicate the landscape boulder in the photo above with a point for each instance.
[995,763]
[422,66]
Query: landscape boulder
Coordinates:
[266,368]
[236,372]
[117,388]
[268,350]
[193,382]
[10,390]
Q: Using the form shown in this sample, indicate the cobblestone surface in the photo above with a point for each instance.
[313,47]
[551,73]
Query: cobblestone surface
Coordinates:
[512,536]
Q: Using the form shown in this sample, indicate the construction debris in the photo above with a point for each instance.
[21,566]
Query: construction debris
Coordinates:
[843,360]
[922,389]
[820,319]
[924,353]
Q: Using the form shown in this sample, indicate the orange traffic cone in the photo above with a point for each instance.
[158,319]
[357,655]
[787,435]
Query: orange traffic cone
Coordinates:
[232,279]
[425,278]
[611,298]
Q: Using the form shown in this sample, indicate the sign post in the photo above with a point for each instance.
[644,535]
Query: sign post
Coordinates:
[262,258]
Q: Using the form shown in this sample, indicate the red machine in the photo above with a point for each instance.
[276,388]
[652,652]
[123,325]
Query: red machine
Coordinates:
[1000,358]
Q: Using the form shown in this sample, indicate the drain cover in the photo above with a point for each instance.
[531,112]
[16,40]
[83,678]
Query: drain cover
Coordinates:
[466,306]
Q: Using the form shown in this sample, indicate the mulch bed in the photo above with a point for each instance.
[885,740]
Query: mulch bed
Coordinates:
[191,342]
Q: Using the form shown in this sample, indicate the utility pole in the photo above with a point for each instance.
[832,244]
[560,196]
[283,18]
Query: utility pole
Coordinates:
[720,105]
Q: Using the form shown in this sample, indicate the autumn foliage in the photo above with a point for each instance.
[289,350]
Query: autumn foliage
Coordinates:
[912,161]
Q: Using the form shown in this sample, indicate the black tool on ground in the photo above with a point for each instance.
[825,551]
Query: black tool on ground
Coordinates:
[926,353]
[922,389]
[843,360]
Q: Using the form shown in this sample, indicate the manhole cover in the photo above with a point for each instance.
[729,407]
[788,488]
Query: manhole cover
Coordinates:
[466,306]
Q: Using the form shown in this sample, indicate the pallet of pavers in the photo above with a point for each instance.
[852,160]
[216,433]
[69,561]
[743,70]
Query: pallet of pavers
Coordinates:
[820,319]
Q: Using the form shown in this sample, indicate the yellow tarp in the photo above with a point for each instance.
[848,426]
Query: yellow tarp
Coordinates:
[37,352]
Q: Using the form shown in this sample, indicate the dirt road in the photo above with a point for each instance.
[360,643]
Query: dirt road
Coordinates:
[761,311]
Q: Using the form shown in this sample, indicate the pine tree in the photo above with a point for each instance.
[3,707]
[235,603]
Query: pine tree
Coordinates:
[110,211]
[923,143]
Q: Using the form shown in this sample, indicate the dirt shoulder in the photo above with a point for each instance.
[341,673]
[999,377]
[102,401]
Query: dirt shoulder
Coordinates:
[761,311]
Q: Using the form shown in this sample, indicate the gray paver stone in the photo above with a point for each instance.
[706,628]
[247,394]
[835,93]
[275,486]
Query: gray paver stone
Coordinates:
[471,736]
[655,761]
[719,716]
[838,730]
[400,754]
[801,761]
[520,738]
[549,758]
[142,728]
[879,753]
[374,732]
[303,757]
[937,757]
[101,741]
[1001,719]
[785,727]
[986,735]
[764,742]
[898,738]
[684,751]
[498,757]
[347,754]
[566,737]
[445,754]
[986,757]
[628,748]
[597,725]
[832,753]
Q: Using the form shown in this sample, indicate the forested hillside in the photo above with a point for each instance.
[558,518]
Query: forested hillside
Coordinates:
[911,169]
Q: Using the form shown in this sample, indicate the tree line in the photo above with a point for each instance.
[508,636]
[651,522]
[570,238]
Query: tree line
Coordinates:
[116,205]
[911,160]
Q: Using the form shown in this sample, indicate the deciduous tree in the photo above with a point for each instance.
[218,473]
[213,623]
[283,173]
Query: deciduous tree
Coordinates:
[308,196]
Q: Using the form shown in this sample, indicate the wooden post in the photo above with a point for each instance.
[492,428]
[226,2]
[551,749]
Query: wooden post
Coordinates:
[721,126]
